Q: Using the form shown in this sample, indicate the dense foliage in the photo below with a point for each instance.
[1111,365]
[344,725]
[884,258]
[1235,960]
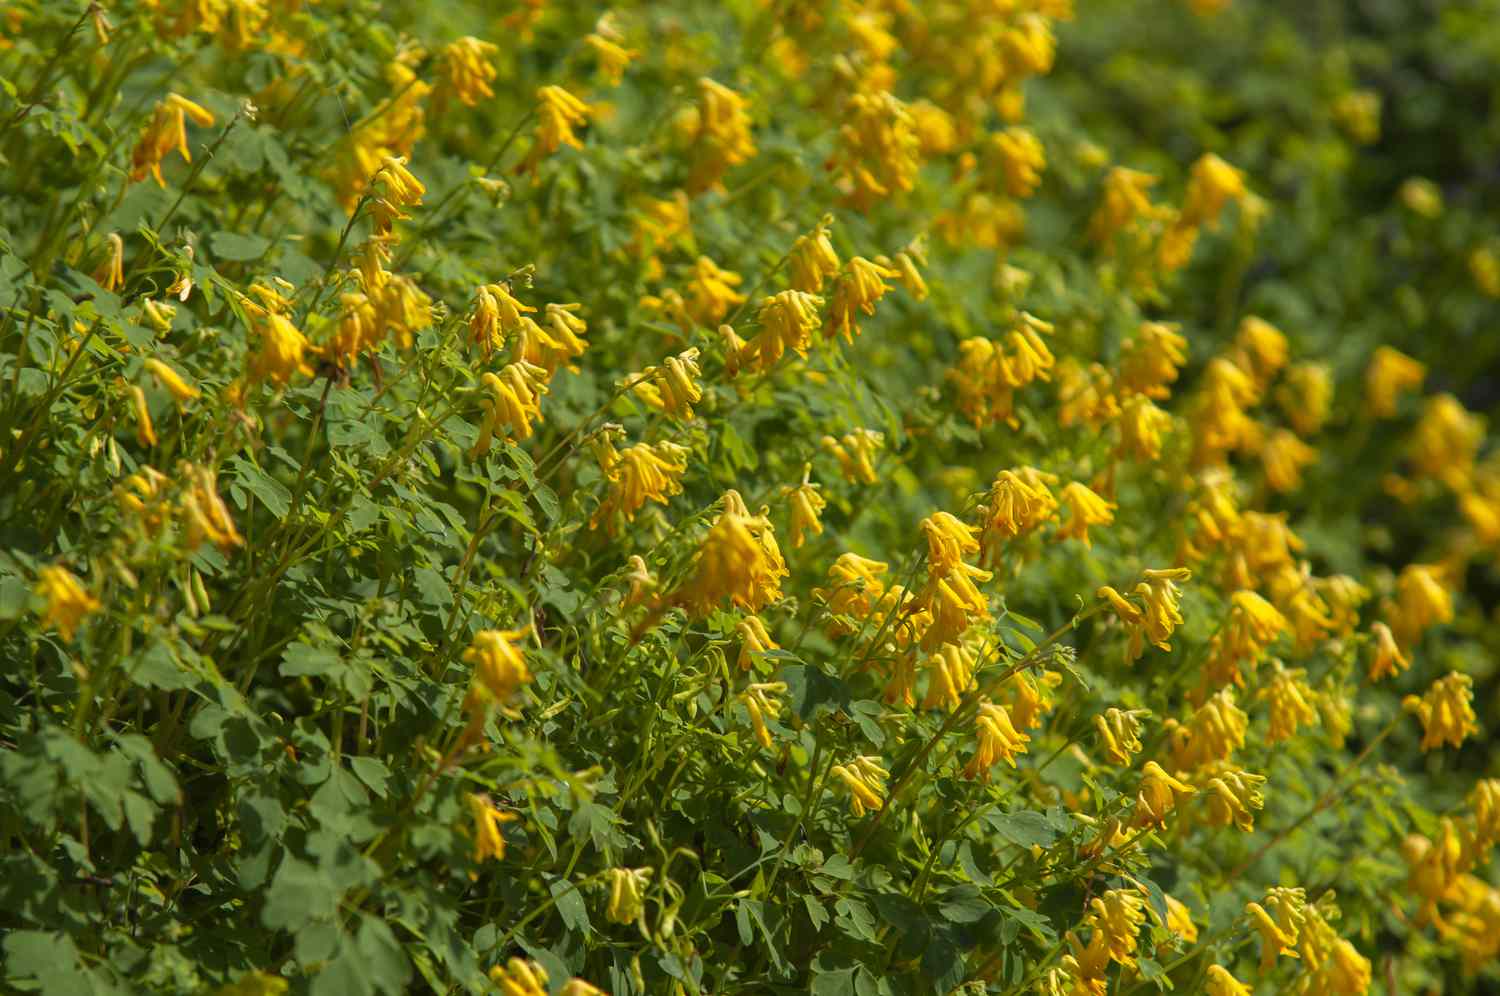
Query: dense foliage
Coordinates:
[844,496]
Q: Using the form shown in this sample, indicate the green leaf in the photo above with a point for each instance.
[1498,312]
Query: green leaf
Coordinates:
[570,905]
[238,248]
[272,493]
[1023,828]
[300,659]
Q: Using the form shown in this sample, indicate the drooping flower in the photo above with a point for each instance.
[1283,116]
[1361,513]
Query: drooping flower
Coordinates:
[1120,733]
[489,842]
[1152,358]
[1220,983]
[753,640]
[1158,795]
[558,113]
[1022,160]
[1142,426]
[1231,796]
[760,700]
[164,133]
[1085,508]
[1284,456]
[811,260]
[950,674]
[1118,915]
[856,289]
[512,402]
[787,321]
[519,977]
[1421,602]
[1291,699]
[855,452]
[806,508]
[1214,732]
[607,43]
[111,274]
[499,666]
[638,474]
[145,432]
[739,560]
[1280,926]
[712,294]
[627,894]
[948,542]
[1211,185]
[672,387]
[717,132]
[1124,201]
[67,602]
[865,780]
[879,150]
[998,740]
[1446,711]
[1445,442]
[857,586]
[466,70]
[206,514]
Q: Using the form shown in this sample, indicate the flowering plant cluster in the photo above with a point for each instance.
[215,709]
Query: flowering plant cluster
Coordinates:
[850,497]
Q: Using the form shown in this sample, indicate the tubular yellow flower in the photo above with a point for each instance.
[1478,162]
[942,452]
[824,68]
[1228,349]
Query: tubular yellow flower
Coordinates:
[627,894]
[1278,933]
[906,269]
[1421,602]
[739,561]
[1445,442]
[1161,596]
[1446,711]
[145,432]
[206,514]
[1022,160]
[499,667]
[1284,456]
[855,453]
[399,189]
[955,604]
[111,274]
[811,260]
[1030,698]
[1180,920]
[950,673]
[1085,509]
[1118,915]
[1158,795]
[717,131]
[1231,797]
[1211,185]
[558,113]
[489,842]
[672,387]
[879,150]
[1305,396]
[1142,425]
[1120,733]
[466,69]
[856,289]
[282,348]
[68,603]
[1152,358]
[948,542]
[513,402]
[753,640]
[1221,983]
[1253,625]
[165,132]
[760,701]
[998,739]
[712,292]
[643,472]
[1433,868]
[806,508]
[1215,731]
[1124,200]
[1291,701]
[614,58]
[520,978]
[1085,395]
[578,987]
[787,321]
[865,780]
[857,587]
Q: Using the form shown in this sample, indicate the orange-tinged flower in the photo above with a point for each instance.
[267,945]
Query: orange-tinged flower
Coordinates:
[641,473]
[164,133]
[998,740]
[68,603]
[856,289]
[489,842]
[811,260]
[806,508]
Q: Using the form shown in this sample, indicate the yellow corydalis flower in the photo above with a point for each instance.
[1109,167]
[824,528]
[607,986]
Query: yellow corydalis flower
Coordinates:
[998,739]
[206,514]
[1214,732]
[282,351]
[165,132]
[1231,796]
[1253,625]
[1117,916]
[1220,983]
[1018,502]
[879,150]
[627,894]
[66,602]
[1150,359]
[811,260]
[640,473]
[1158,795]
[1124,201]
[499,668]
[496,312]
[753,640]
[111,273]
[1212,184]
[787,321]
[672,387]
[1280,925]
[950,673]
[1445,442]
[864,778]
[606,41]
[760,700]
[518,977]
[806,506]
[855,452]
[1142,426]
[1387,658]
[1291,699]
[489,842]
[1120,733]
[466,70]
[857,587]
[717,130]
[739,560]
[856,289]
[1151,613]
[513,400]
[1446,711]
[1021,158]
[948,542]
[399,189]
[1433,868]
[1421,602]
[145,432]
[558,113]
[1284,456]
[712,294]
[1085,509]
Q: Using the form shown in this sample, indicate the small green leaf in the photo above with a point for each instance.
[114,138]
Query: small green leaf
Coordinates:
[238,248]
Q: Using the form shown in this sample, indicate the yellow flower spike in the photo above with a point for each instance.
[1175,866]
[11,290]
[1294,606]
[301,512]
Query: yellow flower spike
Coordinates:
[489,842]
[1161,596]
[1085,509]
[1231,797]
[206,514]
[734,350]
[739,560]
[1142,426]
[1151,359]
[1158,795]
[717,131]
[864,779]
[855,453]
[145,432]
[1118,915]
[614,58]
[948,542]
[466,69]
[879,150]
[399,190]
[1284,457]
[787,321]
[712,294]
[558,113]
[1125,200]
[1022,160]
[1433,868]
[282,351]
[760,701]
[1445,442]
[1305,396]
[856,289]
[753,640]
[520,978]
[998,739]
[643,472]
[358,328]
[1211,185]
[1446,711]
[1215,731]
[499,666]
[955,604]
[1030,698]
[1278,933]
[1291,699]
[907,272]
[857,588]
[806,508]
[1421,602]
[1120,733]
[1017,504]
[68,603]
[1180,920]
[812,260]
[627,894]
[1220,983]
[111,273]
[164,133]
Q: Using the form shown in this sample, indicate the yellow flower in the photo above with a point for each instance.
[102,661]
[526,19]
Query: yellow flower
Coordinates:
[1124,201]
[1018,502]
[1085,509]
[518,977]
[1142,425]
[1221,983]
[643,472]
[282,347]
[1445,441]
[207,515]
[613,57]
[466,69]
[865,780]
[558,113]
[1421,602]
[712,292]
[1253,625]
[1118,915]
[399,189]
[627,894]
[950,674]
[855,453]
[879,149]
[739,561]
[1278,933]
[68,603]
[1152,358]
[1305,395]
[717,130]
[1391,373]
[906,269]
[488,840]
[753,640]
[1022,160]
[1085,395]
[111,274]
[1433,868]
[1358,113]
[1291,701]
[499,667]
[1484,267]
[1215,731]
[1284,456]
[166,131]
[672,387]
[861,284]
[514,401]
[857,587]
[806,508]
[811,260]
[786,322]
[1120,733]
[760,701]
[1446,711]
[145,432]
[1232,795]
[1422,197]
[998,740]
[1211,185]
[1030,698]
[948,542]
[1158,795]
[1161,595]
[1180,920]
[578,987]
